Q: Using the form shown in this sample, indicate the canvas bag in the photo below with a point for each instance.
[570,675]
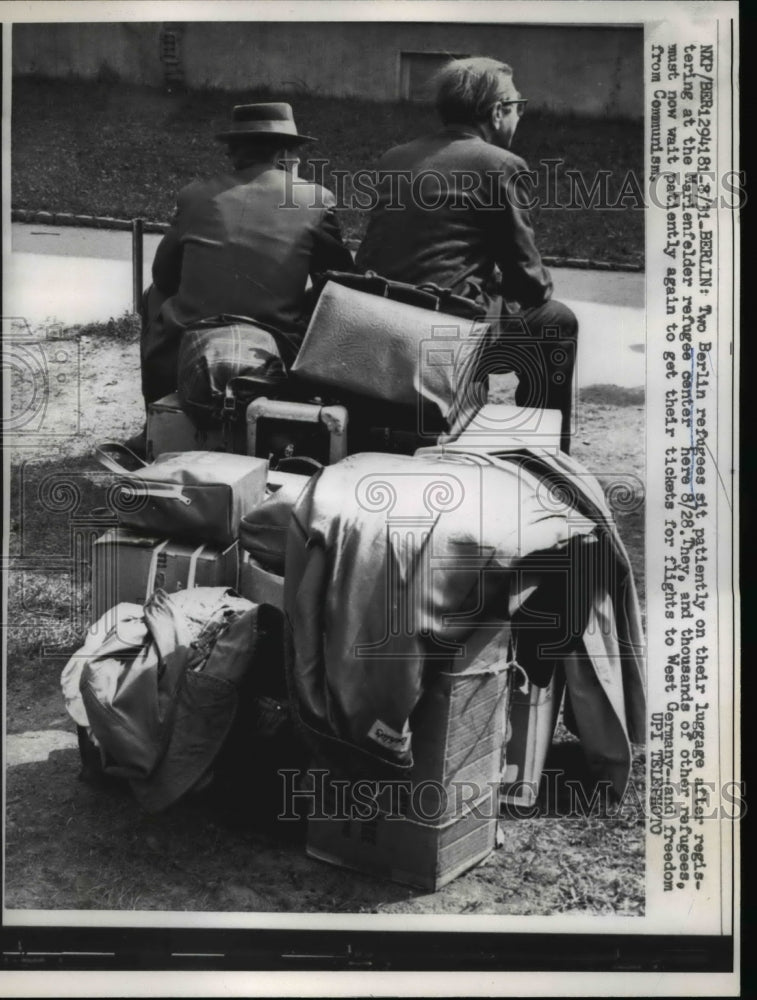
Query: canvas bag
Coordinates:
[130,671]
[196,495]
[225,363]
[414,349]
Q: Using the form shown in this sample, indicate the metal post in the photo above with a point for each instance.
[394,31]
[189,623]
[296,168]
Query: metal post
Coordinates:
[137,239]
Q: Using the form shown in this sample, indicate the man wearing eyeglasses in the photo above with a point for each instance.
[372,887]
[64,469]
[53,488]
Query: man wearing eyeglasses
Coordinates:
[451,209]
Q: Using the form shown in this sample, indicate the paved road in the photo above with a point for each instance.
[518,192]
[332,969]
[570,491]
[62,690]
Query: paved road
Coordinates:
[70,275]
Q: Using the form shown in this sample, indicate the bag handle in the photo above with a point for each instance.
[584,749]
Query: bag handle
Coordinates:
[135,486]
[302,465]
[412,295]
[426,295]
[457,305]
[101,453]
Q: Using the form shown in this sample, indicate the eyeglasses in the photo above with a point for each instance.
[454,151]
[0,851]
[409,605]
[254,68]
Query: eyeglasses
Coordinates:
[519,102]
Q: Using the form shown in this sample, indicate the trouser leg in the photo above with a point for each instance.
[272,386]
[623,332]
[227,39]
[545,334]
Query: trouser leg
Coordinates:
[539,345]
[159,349]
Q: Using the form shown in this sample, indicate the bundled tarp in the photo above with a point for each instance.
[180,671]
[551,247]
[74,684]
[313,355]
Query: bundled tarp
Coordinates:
[392,564]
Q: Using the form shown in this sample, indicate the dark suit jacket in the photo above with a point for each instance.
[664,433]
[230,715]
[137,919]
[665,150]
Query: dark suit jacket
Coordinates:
[447,213]
[245,243]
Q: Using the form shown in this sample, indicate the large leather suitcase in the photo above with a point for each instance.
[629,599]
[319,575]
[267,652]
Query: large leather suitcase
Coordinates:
[415,360]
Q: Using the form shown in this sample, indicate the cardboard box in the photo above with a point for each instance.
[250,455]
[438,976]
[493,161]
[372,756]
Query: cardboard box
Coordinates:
[533,716]
[259,585]
[459,726]
[170,429]
[278,428]
[442,818]
[425,855]
[127,566]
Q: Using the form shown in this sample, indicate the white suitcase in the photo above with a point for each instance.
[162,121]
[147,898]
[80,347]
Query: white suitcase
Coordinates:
[278,429]
[533,715]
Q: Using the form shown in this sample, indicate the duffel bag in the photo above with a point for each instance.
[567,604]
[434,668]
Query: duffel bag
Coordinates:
[393,343]
[224,363]
[200,496]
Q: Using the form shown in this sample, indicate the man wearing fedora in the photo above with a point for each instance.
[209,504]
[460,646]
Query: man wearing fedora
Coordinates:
[243,243]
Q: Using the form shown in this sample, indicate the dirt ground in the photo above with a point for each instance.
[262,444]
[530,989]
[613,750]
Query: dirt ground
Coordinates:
[74,845]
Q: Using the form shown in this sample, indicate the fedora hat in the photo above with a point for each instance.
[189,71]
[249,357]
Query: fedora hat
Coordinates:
[264,120]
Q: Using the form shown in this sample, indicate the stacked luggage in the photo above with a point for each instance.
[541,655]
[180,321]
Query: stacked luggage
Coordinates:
[283,510]
[439,819]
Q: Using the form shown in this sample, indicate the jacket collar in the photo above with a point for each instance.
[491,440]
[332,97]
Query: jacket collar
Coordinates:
[462,131]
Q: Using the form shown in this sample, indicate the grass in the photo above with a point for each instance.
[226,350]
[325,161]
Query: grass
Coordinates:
[126,327]
[120,150]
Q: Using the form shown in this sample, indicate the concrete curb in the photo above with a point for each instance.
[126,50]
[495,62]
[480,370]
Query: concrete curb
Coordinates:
[106,222]
[29,215]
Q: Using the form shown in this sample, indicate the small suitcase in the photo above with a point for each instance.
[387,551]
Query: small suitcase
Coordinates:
[260,585]
[191,496]
[129,566]
[169,428]
[280,429]
[533,716]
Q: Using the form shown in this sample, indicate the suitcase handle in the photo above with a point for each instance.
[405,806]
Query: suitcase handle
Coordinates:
[426,295]
[302,465]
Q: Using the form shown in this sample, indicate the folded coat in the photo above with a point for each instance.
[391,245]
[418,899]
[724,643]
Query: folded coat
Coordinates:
[394,561]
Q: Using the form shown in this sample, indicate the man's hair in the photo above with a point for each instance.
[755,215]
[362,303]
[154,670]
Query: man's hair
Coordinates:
[466,89]
[245,151]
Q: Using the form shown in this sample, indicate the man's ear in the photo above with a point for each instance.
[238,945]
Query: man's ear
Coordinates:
[490,124]
[495,115]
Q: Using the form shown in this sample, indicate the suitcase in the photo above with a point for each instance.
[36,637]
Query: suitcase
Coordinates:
[260,585]
[195,496]
[279,429]
[128,566]
[170,429]
[503,426]
[533,716]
